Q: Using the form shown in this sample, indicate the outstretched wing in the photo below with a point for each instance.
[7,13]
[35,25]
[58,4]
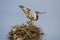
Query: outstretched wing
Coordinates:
[36,16]
[42,12]
[25,10]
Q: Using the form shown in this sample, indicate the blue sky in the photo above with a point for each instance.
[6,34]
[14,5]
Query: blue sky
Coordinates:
[11,14]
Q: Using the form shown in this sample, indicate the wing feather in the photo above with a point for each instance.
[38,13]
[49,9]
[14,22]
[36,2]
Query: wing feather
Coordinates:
[25,10]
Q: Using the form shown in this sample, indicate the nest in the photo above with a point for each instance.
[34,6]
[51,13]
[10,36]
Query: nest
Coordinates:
[25,32]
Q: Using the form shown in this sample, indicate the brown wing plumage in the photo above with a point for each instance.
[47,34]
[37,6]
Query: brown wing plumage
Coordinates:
[25,10]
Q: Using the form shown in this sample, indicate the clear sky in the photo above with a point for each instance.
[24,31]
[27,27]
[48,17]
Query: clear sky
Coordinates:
[11,14]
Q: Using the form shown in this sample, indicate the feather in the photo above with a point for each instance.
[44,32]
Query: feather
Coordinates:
[25,10]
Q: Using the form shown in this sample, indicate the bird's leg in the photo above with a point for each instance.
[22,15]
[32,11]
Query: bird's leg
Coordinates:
[30,22]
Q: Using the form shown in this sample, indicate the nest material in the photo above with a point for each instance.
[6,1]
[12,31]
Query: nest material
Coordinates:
[25,32]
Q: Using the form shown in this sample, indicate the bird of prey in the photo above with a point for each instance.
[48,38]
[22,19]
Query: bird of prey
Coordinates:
[27,11]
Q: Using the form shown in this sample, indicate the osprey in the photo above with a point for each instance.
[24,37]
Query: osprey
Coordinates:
[27,11]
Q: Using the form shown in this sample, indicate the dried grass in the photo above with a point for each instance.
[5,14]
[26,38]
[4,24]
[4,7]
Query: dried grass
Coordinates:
[25,32]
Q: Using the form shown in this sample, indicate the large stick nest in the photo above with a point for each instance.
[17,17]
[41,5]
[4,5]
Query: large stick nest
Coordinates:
[25,32]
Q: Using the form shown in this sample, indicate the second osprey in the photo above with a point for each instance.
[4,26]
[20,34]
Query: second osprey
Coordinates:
[27,11]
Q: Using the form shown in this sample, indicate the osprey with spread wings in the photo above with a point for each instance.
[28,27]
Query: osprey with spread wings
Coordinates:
[27,11]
